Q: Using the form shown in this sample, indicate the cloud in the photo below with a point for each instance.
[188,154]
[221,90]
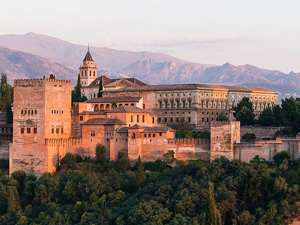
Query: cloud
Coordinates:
[104,42]
[186,42]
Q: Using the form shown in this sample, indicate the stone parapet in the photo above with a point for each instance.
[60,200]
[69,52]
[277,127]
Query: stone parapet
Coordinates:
[38,81]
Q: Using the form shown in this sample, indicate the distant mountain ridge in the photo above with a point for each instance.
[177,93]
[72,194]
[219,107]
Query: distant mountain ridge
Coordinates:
[153,68]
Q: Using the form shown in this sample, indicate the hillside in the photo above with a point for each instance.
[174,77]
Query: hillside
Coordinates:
[153,68]
[18,65]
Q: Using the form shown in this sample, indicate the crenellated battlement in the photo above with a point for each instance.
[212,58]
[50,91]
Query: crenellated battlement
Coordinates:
[66,141]
[38,81]
[188,141]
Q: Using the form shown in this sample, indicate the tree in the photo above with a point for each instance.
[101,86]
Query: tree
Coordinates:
[9,114]
[69,160]
[123,161]
[279,117]
[290,109]
[267,117]
[11,201]
[52,76]
[100,88]
[77,88]
[140,175]
[222,117]
[212,215]
[101,153]
[170,155]
[180,125]
[249,136]
[280,156]
[244,112]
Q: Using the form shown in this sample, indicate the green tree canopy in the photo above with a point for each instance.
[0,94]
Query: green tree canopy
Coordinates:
[267,117]
[212,215]
[101,153]
[140,175]
[244,112]
[222,117]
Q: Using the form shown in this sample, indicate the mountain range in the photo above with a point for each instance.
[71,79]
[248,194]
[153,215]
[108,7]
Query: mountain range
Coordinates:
[34,55]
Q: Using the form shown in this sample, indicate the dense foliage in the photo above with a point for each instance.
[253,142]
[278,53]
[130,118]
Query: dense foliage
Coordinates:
[76,93]
[149,193]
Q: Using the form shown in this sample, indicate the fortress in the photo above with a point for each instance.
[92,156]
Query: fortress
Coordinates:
[130,116]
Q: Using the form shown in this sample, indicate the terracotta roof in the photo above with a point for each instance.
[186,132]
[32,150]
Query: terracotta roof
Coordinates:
[151,129]
[121,82]
[136,126]
[88,57]
[106,80]
[113,99]
[104,121]
[92,113]
[156,129]
[130,109]
[123,130]
[189,86]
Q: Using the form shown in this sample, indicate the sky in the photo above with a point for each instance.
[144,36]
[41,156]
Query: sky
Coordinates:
[264,33]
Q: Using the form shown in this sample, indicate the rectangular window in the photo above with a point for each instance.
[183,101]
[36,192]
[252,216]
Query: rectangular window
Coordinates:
[166,120]
[62,130]
[92,133]
[22,130]
[189,119]
[131,119]
[183,104]
[159,120]
[160,105]
[178,105]
[144,106]
[143,118]
[171,119]
[52,130]
[172,105]
[57,130]
[153,135]
[145,135]
[152,119]
[81,118]
[160,134]
[138,118]
[166,104]
[28,130]
[190,104]
[35,130]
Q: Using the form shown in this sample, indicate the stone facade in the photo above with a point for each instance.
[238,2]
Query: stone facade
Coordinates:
[42,109]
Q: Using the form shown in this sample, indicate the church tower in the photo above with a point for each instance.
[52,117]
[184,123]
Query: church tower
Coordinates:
[88,71]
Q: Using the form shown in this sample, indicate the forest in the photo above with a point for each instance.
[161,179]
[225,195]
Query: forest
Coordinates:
[95,191]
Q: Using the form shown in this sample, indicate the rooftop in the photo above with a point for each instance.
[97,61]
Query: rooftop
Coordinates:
[113,99]
[104,121]
[106,80]
[88,57]
[190,86]
[129,109]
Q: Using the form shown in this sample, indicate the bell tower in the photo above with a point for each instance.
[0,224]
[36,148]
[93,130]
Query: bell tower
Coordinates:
[88,71]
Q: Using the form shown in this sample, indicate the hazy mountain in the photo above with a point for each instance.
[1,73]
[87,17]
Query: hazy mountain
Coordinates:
[153,68]
[71,55]
[19,65]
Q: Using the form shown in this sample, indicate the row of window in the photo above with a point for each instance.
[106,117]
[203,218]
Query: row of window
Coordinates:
[133,135]
[103,107]
[171,120]
[57,130]
[4,130]
[178,94]
[28,111]
[84,73]
[28,130]
[56,111]
[172,104]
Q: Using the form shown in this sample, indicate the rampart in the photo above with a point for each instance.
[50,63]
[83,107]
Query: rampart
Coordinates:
[38,81]
[260,132]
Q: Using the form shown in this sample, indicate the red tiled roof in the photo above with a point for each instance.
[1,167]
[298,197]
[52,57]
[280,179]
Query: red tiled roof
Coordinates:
[104,121]
[106,80]
[130,109]
[113,99]
[92,113]
[189,86]
[151,129]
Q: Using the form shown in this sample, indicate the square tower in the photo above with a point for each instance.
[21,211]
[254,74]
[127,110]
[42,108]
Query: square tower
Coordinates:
[42,109]
[88,71]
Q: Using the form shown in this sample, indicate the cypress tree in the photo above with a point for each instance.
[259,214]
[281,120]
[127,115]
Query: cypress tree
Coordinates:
[140,176]
[78,88]
[212,215]
[9,114]
[100,88]
[11,201]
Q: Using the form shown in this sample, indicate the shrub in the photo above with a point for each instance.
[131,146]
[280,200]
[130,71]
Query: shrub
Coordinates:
[101,153]
[249,136]
[280,156]
[69,160]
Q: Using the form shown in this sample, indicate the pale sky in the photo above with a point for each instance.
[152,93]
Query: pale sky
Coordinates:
[264,33]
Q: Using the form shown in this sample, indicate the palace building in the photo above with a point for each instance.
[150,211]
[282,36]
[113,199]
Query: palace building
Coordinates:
[131,116]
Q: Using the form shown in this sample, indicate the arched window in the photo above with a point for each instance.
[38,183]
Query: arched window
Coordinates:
[131,119]
[107,107]
[94,73]
[90,73]
[101,107]
[138,118]
[22,111]
[96,108]
[143,118]
[133,135]
[132,104]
